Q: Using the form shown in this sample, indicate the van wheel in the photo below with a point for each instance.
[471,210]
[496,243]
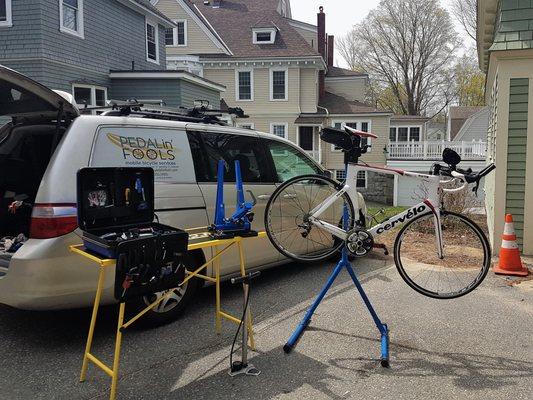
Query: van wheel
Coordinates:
[171,308]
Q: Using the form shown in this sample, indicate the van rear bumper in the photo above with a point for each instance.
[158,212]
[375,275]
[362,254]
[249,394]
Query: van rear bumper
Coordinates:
[44,275]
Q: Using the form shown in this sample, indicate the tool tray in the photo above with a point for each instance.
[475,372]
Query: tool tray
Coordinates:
[116,205]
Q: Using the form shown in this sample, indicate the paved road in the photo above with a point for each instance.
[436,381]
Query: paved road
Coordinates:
[477,347]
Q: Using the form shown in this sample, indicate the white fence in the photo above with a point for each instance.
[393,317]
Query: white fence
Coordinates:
[432,150]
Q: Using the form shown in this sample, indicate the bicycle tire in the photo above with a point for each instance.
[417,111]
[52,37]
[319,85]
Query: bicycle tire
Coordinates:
[484,268]
[272,235]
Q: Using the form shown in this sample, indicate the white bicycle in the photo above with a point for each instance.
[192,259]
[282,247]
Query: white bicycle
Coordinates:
[439,253]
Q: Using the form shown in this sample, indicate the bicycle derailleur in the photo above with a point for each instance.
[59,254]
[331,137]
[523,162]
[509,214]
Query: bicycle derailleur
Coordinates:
[359,242]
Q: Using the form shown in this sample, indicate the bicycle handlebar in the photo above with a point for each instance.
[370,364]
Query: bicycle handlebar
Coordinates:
[466,176]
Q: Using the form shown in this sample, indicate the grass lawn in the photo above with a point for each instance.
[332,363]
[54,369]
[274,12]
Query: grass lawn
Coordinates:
[389,212]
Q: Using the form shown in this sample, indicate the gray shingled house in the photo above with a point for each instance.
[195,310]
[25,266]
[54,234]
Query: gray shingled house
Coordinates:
[96,50]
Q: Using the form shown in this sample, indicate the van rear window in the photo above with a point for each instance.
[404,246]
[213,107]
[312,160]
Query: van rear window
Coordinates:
[167,151]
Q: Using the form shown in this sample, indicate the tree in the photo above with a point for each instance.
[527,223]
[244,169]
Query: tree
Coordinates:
[407,46]
[470,81]
[465,12]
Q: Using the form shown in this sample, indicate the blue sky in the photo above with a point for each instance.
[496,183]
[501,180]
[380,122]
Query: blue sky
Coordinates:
[341,15]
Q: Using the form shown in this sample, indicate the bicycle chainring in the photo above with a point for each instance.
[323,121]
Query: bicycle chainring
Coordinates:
[359,242]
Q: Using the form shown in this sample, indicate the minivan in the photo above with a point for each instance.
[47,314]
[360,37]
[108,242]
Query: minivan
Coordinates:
[46,142]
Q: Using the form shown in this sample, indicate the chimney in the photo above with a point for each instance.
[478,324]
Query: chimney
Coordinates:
[331,47]
[321,42]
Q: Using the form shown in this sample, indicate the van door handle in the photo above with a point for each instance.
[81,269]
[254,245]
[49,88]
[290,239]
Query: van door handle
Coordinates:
[264,196]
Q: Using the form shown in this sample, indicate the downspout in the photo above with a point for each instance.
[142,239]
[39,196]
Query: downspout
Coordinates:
[320,141]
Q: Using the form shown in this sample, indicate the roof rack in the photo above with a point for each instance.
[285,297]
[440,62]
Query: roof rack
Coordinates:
[202,113]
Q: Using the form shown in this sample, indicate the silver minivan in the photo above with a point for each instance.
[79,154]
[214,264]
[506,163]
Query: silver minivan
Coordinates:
[46,142]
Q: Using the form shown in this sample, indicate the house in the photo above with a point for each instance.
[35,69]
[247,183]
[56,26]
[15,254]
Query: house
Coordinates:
[457,117]
[280,71]
[415,143]
[75,45]
[505,52]
[475,127]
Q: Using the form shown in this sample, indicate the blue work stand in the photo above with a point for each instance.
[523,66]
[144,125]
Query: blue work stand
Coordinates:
[383,329]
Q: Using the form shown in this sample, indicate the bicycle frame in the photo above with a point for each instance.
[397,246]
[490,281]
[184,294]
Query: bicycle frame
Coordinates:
[429,185]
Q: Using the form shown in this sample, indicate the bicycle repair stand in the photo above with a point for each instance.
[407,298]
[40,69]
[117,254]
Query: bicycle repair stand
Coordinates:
[242,367]
[343,263]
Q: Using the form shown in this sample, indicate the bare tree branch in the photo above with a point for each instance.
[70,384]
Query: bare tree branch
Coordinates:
[407,47]
[465,12]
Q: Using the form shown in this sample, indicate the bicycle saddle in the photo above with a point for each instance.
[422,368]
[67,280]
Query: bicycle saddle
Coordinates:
[347,138]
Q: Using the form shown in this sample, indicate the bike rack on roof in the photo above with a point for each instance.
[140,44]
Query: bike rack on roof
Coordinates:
[202,113]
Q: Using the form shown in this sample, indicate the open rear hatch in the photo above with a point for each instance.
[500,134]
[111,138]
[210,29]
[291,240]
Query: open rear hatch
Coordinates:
[22,97]
[39,118]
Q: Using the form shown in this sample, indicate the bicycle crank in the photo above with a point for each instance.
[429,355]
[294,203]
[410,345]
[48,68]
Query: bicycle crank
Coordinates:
[359,242]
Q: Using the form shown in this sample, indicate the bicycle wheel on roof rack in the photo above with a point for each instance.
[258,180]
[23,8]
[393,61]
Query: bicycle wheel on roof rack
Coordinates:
[286,213]
[465,261]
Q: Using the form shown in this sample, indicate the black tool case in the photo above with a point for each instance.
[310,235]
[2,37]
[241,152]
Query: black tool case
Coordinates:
[116,205]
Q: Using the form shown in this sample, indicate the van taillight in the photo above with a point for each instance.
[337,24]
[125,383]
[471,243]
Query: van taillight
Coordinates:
[53,220]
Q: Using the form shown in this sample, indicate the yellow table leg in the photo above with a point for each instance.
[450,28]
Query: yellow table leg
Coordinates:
[248,317]
[218,322]
[116,359]
[96,304]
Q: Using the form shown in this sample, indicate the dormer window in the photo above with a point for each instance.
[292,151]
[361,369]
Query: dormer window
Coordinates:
[264,35]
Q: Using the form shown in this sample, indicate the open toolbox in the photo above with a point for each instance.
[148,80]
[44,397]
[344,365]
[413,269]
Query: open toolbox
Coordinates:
[116,214]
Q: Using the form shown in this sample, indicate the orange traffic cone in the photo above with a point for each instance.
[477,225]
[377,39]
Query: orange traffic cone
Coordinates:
[510,263]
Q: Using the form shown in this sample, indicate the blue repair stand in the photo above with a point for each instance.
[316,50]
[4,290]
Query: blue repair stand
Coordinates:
[343,263]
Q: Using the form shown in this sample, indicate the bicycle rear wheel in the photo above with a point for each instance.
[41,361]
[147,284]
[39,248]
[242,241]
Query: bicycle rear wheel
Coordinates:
[465,261]
[286,218]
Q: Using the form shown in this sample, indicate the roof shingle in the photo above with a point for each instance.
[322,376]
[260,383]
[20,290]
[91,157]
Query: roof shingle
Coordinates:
[339,105]
[233,22]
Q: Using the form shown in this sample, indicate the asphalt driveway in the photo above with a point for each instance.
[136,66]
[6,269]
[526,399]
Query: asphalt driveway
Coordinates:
[476,347]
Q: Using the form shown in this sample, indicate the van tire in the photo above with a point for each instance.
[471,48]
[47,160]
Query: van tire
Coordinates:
[157,318]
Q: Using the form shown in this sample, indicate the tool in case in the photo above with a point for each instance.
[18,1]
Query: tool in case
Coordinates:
[116,214]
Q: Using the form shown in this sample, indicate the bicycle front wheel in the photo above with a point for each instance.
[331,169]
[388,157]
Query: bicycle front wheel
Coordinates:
[286,218]
[465,259]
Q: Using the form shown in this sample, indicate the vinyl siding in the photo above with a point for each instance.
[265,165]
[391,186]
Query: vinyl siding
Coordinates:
[516,153]
[197,40]
[191,92]
[114,37]
[24,38]
[475,127]
[261,104]
[351,89]
[308,90]
[379,126]
[174,92]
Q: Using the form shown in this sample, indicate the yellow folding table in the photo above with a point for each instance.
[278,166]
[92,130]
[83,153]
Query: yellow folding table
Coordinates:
[196,241]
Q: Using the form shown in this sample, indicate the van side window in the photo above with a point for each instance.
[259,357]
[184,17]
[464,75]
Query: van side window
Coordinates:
[290,162]
[246,149]
[198,157]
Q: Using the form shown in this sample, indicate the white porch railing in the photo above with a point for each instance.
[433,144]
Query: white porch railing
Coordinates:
[432,150]
[315,154]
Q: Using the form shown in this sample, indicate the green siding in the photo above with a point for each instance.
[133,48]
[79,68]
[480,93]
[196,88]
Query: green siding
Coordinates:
[516,151]
[515,27]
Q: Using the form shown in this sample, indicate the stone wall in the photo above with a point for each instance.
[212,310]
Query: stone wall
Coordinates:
[379,188]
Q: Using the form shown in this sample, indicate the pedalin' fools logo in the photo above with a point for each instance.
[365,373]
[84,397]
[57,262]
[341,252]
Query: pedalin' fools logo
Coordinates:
[140,149]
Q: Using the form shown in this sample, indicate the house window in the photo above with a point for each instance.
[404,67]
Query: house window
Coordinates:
[181,33]
[278,84]
[340,175]
[152,43]
[5,13]
[361,179]
[71,17]
[264,36]
[405,134]
[363,126]
[244,85]
[176,36]
[90,96]
[279,129]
